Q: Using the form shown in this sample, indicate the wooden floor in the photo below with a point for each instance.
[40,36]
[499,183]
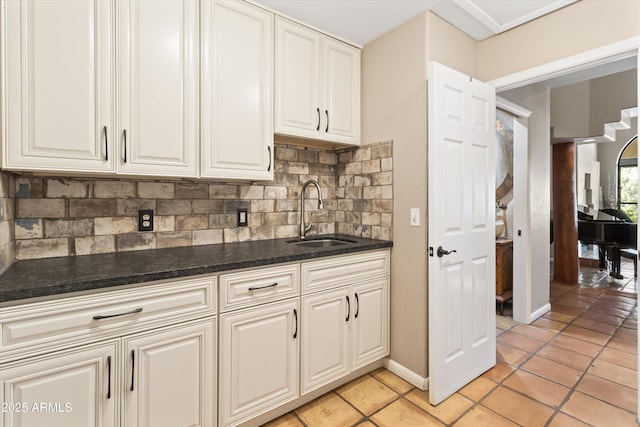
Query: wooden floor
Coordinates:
[575,366]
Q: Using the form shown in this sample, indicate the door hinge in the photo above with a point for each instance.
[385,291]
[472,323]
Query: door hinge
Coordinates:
[430,250]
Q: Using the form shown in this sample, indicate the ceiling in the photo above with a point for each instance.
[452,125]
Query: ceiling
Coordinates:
[361,21]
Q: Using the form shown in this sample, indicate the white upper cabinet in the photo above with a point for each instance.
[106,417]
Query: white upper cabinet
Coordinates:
[170,88]
[158,102]
[57,86]
[61,107]
[341,92]
[237,91]
[317,85]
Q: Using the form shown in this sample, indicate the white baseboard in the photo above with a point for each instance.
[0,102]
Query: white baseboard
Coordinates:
[407,374]
[540,312]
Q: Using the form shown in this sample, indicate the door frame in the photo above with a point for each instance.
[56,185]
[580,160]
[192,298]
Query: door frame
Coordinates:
[623,49]
[520,206]
[602,55]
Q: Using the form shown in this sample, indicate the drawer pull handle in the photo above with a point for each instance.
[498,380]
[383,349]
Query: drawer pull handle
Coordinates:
[295,314]
[109,378]
[108,316]
[257,288]
[348,309]
[318,110]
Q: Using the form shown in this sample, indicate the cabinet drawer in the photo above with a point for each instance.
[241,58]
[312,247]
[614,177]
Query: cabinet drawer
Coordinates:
[251,287]
[60,322]
[344,270]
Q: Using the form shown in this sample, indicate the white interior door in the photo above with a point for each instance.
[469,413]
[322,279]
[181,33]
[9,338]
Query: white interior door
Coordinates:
[461,216]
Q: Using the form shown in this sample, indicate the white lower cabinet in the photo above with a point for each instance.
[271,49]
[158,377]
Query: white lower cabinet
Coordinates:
[138,357]
[277,346]
[169,377]
[325,338]
[259,360]
[68,388]
[370,325]
[161,378]
[147,356]
[343,329]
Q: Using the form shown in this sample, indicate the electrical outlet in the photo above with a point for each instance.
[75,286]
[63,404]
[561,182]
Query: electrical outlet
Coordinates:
[243,217]
[145,220]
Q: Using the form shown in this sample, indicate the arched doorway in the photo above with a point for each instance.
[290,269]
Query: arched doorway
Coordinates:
[628,179]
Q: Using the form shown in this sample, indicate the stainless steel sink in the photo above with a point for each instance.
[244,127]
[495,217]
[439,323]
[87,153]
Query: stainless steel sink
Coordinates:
[320,242]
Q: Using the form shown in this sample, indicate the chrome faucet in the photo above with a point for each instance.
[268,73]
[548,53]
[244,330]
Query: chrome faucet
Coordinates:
[305,228]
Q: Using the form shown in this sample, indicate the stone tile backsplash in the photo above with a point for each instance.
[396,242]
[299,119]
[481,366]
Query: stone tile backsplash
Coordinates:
[77,216]
[7,223]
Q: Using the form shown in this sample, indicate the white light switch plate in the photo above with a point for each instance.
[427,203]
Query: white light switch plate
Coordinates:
[415,217]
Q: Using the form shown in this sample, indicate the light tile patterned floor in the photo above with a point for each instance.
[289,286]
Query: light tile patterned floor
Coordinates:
[575,366]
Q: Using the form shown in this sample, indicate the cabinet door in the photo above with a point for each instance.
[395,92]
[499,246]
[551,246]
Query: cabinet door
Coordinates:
[159,87]
[370,327]
[170,377]
[237,91]
[57,86]
[325,337]
[70,388]
[259,360]
[341,92]
[298,104]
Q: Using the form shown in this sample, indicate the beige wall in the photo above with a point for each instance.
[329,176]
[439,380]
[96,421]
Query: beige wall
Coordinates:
[570,111]
[579,27]
[394,88]
[451,47]
[609,95]
[394,99]
[583,108]
[394,106]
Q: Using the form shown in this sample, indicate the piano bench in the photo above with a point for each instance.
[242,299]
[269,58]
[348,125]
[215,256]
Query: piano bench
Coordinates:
[631,254]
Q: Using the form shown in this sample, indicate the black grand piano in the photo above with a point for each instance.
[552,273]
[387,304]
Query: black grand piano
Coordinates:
[612,231]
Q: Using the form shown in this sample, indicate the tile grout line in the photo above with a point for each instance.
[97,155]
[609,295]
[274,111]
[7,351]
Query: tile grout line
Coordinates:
[584,373]
[598,298]
[400,396]
[557,409]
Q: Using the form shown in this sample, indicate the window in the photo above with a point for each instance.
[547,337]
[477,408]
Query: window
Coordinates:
[628,179]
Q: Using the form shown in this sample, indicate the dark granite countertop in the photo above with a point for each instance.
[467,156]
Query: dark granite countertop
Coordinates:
[54,276]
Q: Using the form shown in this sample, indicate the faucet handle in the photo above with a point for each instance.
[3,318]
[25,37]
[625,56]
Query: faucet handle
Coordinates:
[307,228]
